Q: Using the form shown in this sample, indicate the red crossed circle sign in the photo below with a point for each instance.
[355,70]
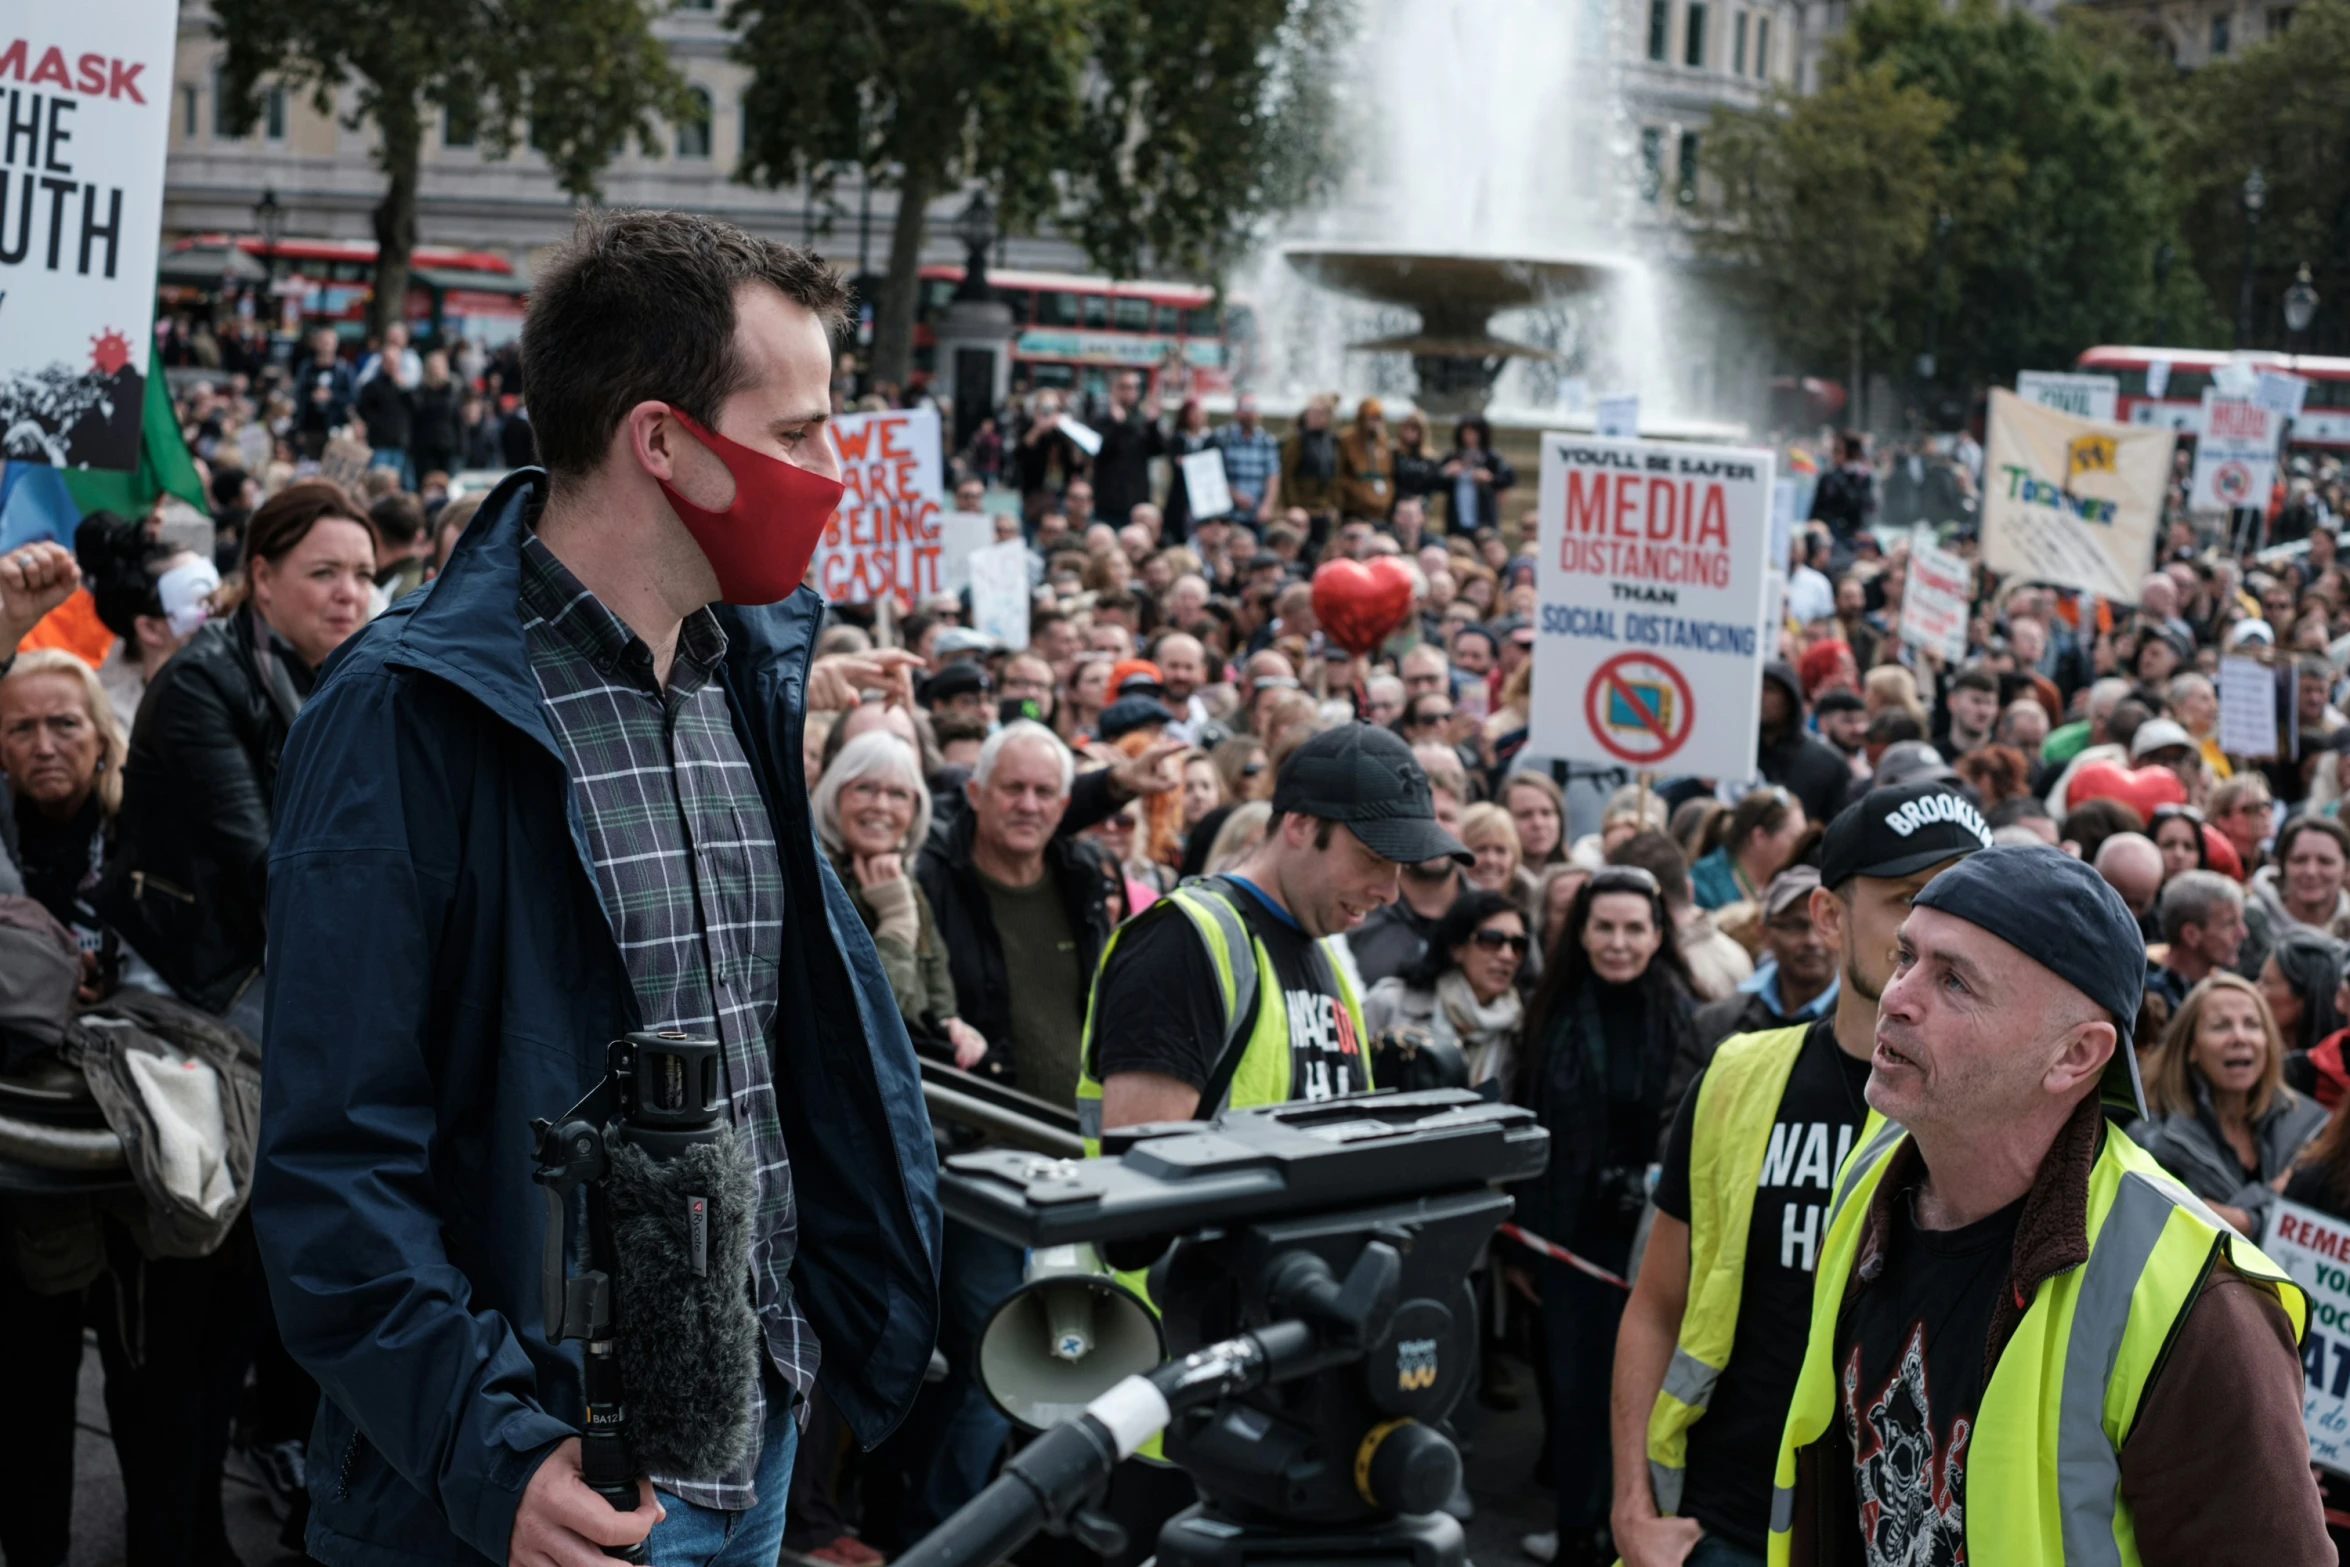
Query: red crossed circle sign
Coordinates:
[2232,482]
[1639,708]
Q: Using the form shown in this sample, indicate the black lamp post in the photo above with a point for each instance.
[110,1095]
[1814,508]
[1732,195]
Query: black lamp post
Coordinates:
[1929,361]
[270,219]
[2255,198]
[2300,306]
[976,228]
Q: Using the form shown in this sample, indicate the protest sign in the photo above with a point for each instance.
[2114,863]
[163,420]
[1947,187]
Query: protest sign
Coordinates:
[1783,498]
[91,95]
[884,541]
[1618,417]
[1204,486]
[1088,439]
[2071,502]
[2082,396]
[2314,1251]
[999,592]
[2157,377]
[1934,601]
[2236,457]
[2247,708]
[959,533]
[2281,393]
[1650,596]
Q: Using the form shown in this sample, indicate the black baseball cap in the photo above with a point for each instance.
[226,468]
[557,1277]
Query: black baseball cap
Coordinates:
[1127,714]
[960,678]
[1367,778]
[1900,831]
[2058,912]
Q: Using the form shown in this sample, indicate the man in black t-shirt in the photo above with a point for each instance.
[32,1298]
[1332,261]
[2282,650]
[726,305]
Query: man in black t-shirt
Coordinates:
[1875,857]
[1228,991]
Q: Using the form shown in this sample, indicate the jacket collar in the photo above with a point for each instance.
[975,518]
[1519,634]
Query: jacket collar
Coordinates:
[2051,1236]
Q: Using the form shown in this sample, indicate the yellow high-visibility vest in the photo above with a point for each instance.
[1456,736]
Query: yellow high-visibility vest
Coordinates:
[2043,1465]
[1737,1104]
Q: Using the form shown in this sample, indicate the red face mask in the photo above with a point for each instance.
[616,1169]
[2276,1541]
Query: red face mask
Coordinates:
[760,545]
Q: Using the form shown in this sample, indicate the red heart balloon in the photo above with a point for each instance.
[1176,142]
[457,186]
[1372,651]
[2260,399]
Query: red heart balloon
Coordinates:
[1360,603]
[2141,790]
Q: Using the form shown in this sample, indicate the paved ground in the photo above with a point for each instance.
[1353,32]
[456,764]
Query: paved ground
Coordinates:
[1500,1472]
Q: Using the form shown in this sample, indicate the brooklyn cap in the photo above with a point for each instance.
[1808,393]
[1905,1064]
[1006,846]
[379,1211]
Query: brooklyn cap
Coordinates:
[1900,831]
[1367,778]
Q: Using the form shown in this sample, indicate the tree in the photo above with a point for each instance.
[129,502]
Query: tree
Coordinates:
[2278,106]
[2054,187]
[1157,129]
[583,75]
[1824,206]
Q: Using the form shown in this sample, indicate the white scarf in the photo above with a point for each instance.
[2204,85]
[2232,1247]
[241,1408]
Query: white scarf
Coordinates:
[1487,1033]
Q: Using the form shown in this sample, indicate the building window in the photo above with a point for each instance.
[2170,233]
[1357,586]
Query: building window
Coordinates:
[693,132]
[221,130]
[1762,47]
[1652,162]
[1738,45]
[273,114]
[1660,28]
[2280,20]
[1693,47]
[1688,171]
[2219,34]
[460,124]
[188,96]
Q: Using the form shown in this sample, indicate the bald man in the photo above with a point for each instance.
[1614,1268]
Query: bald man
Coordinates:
[2132,866]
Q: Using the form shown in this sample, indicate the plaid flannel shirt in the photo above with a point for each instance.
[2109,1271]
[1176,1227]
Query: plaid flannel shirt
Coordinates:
[687,869]
[1250,461]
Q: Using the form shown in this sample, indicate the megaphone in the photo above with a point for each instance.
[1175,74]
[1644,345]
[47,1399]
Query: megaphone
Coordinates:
[1066,1336]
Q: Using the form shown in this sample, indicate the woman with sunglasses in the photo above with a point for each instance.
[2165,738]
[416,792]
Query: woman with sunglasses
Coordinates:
[1610,1016]
[1463,993]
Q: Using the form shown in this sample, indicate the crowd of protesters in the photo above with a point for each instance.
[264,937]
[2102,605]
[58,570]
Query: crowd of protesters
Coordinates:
[994,813]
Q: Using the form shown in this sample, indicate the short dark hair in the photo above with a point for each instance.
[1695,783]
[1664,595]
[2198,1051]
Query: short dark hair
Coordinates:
[1657,854]
[639,306]
[1892,725]
[2295,826]
[287,517]
[398,519]
[1975,678]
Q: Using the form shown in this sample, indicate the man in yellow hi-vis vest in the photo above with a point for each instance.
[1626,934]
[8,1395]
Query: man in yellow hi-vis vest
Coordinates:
[1228,992]
[1713,1334]
[2029,1344]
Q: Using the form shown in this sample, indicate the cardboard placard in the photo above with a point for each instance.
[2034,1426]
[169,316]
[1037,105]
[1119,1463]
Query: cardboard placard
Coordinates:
[1204,484]
[884,541]
[1934,601]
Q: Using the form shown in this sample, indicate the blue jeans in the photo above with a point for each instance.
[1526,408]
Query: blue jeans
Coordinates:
[1714,1551]
[694,1536]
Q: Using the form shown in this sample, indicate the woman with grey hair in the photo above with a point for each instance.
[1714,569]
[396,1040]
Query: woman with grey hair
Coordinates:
[872,815]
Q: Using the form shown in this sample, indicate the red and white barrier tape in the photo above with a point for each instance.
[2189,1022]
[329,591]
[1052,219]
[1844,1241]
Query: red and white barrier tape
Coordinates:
[1557,1253]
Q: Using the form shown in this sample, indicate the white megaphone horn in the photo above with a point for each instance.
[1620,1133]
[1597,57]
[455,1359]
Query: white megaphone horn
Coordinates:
[1067,1335]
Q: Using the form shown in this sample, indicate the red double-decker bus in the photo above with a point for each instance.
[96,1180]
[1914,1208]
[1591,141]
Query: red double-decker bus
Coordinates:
[2165,386]
[453,293]
[1076,332]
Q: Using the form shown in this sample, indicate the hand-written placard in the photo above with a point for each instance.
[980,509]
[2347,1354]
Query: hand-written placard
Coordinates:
[2247,708]
[885,541]
[1934,601]
[999,592]
[2314,1250]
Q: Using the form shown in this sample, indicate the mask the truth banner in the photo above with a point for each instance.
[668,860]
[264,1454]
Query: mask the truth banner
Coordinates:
[2071,502]
[85,111]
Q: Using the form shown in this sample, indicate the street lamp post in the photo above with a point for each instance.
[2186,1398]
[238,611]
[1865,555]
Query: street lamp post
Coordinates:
[976,228]
[270,219]
[1929,362]
[2300,306]
[2255,197]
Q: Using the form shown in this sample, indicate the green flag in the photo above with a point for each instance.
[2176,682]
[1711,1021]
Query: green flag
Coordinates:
[165,468]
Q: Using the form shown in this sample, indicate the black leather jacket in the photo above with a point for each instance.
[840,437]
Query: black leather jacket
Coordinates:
[185,881]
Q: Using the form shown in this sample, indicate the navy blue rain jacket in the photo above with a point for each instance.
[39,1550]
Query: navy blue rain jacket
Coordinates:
[440,971]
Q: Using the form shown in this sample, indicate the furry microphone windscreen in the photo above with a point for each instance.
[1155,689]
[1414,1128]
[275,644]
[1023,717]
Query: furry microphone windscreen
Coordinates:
[688,1337]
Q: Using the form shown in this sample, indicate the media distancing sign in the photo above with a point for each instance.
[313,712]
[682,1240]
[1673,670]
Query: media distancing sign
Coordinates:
[1649,584]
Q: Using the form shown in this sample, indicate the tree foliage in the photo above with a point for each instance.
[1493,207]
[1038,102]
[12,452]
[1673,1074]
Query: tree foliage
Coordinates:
[2281,106]
[1825,205]
[582,75]
[1156,129]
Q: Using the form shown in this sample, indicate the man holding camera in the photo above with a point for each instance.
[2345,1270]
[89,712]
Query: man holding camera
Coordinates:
[1713,1334]
[1227,992]
[557,798]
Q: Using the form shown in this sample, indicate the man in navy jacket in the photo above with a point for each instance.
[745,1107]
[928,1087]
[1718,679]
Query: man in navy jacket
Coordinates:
[456,934]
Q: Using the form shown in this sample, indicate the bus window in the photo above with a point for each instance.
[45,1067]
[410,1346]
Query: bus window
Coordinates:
[1056,307]
[1061,377]
[1130,315]
[936,293]
[1096,308]
[1022,302]
[1170,319]
[1200,321]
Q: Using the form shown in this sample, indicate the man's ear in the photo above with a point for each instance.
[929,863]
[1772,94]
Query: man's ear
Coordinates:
[649,435]
[2087,1048]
